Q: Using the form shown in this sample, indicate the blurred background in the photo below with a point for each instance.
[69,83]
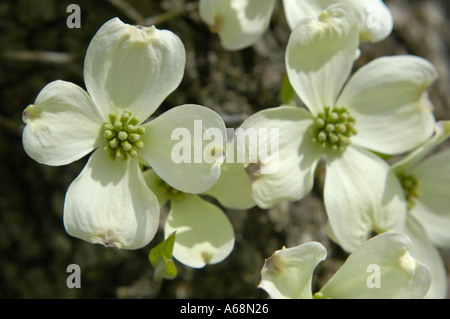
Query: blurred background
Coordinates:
[37,47]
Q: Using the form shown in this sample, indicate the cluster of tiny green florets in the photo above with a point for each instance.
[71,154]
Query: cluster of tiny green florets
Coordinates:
[333,128]
[123,138]
[410,187]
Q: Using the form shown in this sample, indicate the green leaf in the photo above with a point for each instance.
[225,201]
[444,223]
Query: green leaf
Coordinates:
[161,258]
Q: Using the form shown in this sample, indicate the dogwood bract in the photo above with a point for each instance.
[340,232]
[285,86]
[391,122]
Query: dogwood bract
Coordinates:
[204,234]
[383,107]
[240,23]
[381,268]
[128,72]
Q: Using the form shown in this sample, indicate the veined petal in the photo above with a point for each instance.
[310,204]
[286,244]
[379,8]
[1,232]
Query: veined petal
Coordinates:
[204,234]
[382,268]
[424,251]
[287,274]
[133,68]
[361,195]
[388,99]
[319,56]
[62,126]
[239,23]
[374,18]
[286,171]
[110,204]
[185,146]
[431,208]
[234,188]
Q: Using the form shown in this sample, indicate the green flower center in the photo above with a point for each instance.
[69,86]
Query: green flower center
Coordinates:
[411,189]
[333,128]
[123,137]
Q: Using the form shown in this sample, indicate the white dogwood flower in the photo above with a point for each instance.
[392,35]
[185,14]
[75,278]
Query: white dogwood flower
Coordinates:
[240,23]
[383,107]
[128,72]
[381,268]
[425,184]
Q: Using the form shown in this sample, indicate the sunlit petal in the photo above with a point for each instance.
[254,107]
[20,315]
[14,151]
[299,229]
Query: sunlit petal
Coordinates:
[320,54]
[110,204]
[361,195]
[132,68]
[204,235]
[62,126]
[185,146]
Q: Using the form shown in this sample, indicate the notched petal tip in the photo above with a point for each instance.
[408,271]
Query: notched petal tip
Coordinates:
[274,265]
[219,19]
[108,238]
[207,257]
[141,34]
[30,113]
[424,100]
[408,264]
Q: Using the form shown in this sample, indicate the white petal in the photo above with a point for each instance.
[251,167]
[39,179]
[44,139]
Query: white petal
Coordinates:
[204,235]
[177,144]
[288,173]
[110,204]
[384,256]
[233,189]
[287,274]
[62,126]
[432,206]
[408,162]
[297,10]
[361,195]
[425,252]
[374,17]
[388,99]
[239,23]
[133,68]
[319,56]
